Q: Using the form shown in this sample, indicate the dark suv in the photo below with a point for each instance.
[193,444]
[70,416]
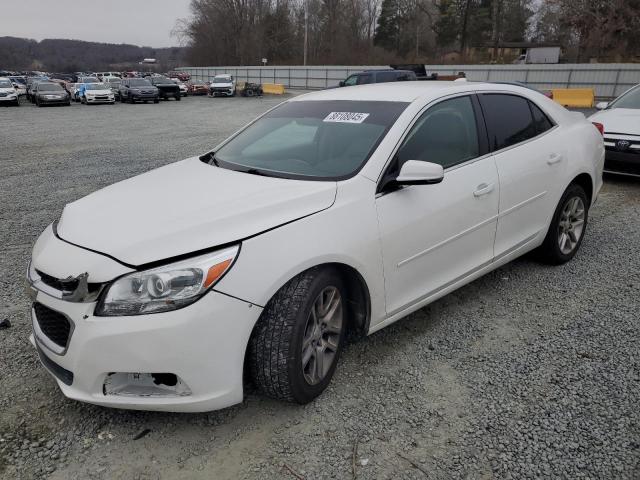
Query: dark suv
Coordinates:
[378,76]
[138,89]
[166,87]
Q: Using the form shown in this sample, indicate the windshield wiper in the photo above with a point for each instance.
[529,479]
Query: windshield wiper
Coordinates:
[255,171]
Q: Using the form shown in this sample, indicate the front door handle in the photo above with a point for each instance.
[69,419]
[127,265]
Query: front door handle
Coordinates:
[554,158]
[483,189]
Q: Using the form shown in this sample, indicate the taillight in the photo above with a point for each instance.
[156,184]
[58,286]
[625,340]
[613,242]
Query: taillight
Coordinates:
[600,127]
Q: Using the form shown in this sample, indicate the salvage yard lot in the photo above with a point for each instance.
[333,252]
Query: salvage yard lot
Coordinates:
[531,371]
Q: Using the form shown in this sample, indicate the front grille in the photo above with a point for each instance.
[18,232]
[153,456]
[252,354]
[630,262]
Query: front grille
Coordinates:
[53,324]
[62,285]
[629,145]
[2,94]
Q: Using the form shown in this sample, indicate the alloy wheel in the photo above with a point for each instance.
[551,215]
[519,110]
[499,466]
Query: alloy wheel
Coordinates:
[571,225]
[322,335]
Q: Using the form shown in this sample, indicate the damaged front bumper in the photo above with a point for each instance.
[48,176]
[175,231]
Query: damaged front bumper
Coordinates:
[186,360]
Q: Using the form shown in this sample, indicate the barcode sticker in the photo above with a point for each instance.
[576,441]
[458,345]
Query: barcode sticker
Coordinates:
[346,117]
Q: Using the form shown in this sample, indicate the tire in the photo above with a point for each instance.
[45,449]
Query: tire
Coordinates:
[155,100]
[131,100]
[38,103]
[249,92]
[276,347]
[178,97]
[567,229]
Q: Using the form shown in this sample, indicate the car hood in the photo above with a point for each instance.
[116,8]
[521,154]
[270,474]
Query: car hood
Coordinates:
[98,92]
[7,90]
[222,84]
[619,120]
[185,207]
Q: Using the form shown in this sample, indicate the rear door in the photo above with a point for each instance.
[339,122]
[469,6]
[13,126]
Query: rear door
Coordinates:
[531,162]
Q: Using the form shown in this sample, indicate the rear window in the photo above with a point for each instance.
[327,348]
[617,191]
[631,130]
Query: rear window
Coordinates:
[509,119]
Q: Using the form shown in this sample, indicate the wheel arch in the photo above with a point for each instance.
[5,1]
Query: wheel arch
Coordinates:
[586,182]
[358,304]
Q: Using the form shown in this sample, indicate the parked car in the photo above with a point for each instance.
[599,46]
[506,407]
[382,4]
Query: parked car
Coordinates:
[223,85]
[619,122]
[182,76]
[31,83]
[378,76]
[20,84]
[93,93]
[166,87]
[50,93]
[256,255]
[8,93]
[184,90]
[102,75]
[138,89]
[198,88]
[114,85]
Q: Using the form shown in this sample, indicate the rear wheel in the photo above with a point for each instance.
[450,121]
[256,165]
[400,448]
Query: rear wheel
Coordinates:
[567,228]
[296,344]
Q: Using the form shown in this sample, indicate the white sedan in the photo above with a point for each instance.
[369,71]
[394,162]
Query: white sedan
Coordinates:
[93,93]
[342,209]
[620,124]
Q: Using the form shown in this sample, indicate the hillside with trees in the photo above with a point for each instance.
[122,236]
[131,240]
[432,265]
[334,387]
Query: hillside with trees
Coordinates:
[74,55]
[237,32]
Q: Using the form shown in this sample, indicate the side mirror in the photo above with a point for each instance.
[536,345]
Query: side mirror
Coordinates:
[602,105]
[341,84]
[417,172]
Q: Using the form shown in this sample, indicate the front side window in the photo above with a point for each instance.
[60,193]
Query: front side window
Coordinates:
[315,140]
[350,81]
[445,134]
[508,118]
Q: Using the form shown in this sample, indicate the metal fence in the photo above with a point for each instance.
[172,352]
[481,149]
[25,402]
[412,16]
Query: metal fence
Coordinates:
[609,80]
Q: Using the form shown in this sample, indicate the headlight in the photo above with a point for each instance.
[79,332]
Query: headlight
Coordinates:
[166,288]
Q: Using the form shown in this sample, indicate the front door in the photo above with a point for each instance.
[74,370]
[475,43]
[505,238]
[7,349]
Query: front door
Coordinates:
[434,235]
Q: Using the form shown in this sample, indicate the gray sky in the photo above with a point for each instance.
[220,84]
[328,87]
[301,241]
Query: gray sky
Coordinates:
[140,22]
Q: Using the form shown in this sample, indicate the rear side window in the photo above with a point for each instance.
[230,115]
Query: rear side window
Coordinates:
[541,121]
[509,119]
[382,77]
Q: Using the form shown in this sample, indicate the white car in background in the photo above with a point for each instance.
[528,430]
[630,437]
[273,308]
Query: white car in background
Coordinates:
[224,85]
[341,209]
[184,90]
[620,124]
[93,93]
[8,93]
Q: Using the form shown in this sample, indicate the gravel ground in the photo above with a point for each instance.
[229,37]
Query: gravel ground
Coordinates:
[529,372]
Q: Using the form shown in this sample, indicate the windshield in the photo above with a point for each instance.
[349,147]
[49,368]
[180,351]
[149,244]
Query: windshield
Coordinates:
[162,80]
[114,83]
[95,86]
[5,84]
[326,140]
[19,80]
[221,80]
[631,99]
[139,82]
[89,80]
[49,87]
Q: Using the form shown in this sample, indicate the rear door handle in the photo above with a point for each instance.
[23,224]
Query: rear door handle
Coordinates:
[554,158]
[483,189]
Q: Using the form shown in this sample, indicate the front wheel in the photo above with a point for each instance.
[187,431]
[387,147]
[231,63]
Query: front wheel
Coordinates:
[178,97]
[567,228]
[295,346]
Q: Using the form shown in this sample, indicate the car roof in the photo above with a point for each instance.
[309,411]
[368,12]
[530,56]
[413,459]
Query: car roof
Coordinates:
[407,91]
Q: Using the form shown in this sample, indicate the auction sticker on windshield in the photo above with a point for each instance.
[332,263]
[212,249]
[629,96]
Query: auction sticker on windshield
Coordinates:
[346,117]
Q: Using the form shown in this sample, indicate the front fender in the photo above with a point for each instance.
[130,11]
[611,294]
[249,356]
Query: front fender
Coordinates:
[346,233]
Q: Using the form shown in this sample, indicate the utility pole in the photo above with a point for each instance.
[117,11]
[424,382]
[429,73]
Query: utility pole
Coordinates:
[306,30]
